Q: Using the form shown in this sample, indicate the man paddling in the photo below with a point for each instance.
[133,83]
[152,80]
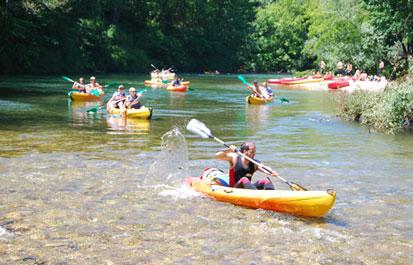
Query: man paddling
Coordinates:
[241,169]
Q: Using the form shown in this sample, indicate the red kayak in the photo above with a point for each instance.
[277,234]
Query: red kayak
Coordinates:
[338,83]
[180,88]
[284,80]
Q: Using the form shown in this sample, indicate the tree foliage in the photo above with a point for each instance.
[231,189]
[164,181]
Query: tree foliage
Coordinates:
[62,36]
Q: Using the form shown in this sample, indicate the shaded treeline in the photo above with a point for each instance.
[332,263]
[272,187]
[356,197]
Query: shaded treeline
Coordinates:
[52,36]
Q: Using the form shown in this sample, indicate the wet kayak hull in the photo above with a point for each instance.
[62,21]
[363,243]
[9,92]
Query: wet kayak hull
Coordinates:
[300,203]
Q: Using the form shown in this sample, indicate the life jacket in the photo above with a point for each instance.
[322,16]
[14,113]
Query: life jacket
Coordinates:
[240,170]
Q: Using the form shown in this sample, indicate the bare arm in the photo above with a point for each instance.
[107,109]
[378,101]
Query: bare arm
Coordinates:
[227,155]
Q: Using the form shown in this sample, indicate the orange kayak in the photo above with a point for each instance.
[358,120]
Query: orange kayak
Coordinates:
[301,203]
[181,88]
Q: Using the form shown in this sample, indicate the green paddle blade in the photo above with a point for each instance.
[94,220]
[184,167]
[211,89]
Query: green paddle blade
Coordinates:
[284,100]
[243,80]
[67,79]
[94,109]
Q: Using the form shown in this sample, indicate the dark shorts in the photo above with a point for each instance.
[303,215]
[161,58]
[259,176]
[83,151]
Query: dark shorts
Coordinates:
[340,71]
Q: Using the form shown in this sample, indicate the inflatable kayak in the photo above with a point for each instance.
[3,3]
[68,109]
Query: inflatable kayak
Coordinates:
[338,84]
[181,88]
[303,81]
[302,203]
[251,99]
[284,80]
[85,96]
[141,113]
[158,83]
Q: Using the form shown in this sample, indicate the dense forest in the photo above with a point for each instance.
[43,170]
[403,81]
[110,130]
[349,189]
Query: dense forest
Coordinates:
[64,36]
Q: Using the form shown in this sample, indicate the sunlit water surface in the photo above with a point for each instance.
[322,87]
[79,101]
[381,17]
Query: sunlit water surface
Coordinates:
[79,188]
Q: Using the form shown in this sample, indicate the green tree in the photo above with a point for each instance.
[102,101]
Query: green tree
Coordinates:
[280,31]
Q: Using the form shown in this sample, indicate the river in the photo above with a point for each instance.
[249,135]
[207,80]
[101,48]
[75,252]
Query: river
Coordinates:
[79,188]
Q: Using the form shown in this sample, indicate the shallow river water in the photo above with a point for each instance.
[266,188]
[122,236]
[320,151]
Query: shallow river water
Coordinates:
[78,188]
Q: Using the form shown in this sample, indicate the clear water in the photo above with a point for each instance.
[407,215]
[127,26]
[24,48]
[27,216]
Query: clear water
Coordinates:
[80,188]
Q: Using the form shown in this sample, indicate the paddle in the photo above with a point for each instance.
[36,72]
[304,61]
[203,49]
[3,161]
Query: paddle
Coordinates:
[200,129]
[243,80]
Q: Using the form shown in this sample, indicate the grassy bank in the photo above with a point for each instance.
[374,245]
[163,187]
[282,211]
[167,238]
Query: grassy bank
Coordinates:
[390,111]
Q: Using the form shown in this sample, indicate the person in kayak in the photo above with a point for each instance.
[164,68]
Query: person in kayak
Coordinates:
[257,91]
[80,85]
[94,87]
[267,89]
[241,169]
[176,82]
[132,100]
[117,99]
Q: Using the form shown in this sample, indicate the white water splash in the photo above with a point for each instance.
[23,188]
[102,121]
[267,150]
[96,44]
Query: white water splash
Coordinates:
[179,193]
[172,162]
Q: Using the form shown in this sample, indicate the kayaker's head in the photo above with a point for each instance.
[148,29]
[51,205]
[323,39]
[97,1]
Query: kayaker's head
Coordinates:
[255,83]
[81,81]
[248,148]
[92,79]
[132,90]
[121,88]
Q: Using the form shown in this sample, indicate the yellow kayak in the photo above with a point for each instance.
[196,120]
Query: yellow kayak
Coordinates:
[141,113]
[85,96]
[301,203]
[252,99]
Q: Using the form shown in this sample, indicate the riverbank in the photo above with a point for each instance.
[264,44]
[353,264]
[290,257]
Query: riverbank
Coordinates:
[389,111]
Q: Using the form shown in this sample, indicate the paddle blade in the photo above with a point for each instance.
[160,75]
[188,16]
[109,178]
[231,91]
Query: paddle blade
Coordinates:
[139,94]
[284,100]
[94,109]
[199,128]
[243,80]
[296,187]
[67,79]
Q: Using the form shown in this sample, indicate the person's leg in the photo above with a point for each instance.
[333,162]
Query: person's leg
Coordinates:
[264,184]
[244,183]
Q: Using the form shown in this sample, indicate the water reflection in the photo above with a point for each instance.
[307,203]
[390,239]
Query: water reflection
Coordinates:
[120,123]
[79,115]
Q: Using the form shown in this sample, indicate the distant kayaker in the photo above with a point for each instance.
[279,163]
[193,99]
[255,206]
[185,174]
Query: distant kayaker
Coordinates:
[94,86]
[379,71]
[349,69]
[340,69]
[322,67]
[132,100]
[81,86]
[241,169]
[176,82]
[257,90]
[267,90]
[117,99]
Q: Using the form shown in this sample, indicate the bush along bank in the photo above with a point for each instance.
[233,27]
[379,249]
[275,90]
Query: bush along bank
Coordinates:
[390,111]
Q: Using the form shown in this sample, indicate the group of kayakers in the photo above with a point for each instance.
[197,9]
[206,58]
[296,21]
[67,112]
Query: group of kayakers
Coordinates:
[122,101]
[347,70]
[163,76]
[92,88]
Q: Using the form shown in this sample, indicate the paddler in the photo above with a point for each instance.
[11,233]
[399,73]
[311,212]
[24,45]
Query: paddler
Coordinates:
[94,87]
[132,100]
[241,169]
[257,91]
[117,99]
[81,86]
